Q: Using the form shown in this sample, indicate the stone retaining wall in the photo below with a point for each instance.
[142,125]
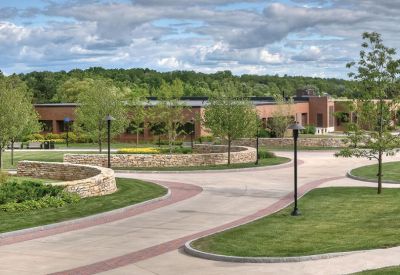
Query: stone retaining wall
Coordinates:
[85,180]
[304,142]
[241,155]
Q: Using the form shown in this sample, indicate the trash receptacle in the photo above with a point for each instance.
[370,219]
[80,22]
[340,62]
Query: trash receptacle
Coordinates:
[52,146]
[46,144]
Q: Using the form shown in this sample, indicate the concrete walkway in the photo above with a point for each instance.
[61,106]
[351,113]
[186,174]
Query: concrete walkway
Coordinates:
[148,243]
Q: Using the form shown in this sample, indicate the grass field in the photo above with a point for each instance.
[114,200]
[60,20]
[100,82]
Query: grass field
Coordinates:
[391,171]
[129,192]
[333,219]
[393,270]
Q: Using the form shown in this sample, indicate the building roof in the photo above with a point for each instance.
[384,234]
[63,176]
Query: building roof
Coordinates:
[188,101]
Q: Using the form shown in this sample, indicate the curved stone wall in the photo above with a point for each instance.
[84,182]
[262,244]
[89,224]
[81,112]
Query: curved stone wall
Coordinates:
[206,155]
[304,142]
[85,180]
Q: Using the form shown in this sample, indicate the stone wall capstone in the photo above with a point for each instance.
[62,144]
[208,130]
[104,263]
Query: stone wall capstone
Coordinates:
[303,142]
[211,156]
[85,180]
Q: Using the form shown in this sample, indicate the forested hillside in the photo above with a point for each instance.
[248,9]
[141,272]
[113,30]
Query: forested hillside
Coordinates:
[65,86]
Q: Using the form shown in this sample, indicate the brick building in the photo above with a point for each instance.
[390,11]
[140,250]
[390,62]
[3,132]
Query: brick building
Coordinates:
[308,110]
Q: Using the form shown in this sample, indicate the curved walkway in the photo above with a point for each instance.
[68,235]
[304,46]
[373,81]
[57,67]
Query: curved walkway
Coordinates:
[147,243]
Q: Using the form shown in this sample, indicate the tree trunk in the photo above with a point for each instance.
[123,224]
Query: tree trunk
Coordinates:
[380,172]
[1,157]
[229,150]
[380,153]
[12,152]
[99,142]
[137,138]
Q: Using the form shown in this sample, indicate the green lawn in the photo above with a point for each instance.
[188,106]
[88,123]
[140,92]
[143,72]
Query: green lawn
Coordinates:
[333,219]
[262,162]
[393,270]
[391,171]
[45,155]
[129,192]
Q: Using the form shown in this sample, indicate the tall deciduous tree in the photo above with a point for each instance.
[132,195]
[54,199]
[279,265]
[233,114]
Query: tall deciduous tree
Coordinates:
[230,117]
[101,98]
[169,111]
[17,115]
[376,75]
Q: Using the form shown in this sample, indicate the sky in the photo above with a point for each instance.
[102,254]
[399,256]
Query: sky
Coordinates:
[293,37]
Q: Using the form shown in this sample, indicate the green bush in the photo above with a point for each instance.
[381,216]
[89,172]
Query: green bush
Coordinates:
[51,136]
[263,154]
[205,139]
[165,142]
[177,150]
[34,137]
[12,191]
[309,129]
[44,202]
[3,177]
[29,195]
[264,133]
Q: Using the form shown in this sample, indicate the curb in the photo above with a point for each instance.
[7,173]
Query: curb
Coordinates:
[84,219]
[235,259]
[261,168]
[350,175]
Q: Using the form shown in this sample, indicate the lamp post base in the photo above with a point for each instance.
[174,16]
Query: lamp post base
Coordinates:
[295,212]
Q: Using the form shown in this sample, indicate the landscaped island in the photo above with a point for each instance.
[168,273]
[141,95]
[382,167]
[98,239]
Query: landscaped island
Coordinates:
[129,192]
[335,219]
[391,172]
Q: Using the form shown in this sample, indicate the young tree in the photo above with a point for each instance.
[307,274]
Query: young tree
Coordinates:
[137,102]
[70,90]
[17,115]
[169,111]
[101,98]
[377,72]
[230,118]
[281,117]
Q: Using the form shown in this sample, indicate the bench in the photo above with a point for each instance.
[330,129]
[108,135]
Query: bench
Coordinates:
[34,145]
[17,145]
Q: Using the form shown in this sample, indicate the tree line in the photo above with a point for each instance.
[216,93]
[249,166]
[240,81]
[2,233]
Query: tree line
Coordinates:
[65,86]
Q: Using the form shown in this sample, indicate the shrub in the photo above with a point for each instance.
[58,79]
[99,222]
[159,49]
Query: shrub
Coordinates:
[309,129]
[35,137]
[3,177]
[205,139]
[29,195]
[148,150]
[263,154]
[264,133]
[44,202]
[51,136]
[12,191]
[178,150]
[165,142]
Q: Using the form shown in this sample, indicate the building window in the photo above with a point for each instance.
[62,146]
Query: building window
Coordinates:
[320,120]
[47,125]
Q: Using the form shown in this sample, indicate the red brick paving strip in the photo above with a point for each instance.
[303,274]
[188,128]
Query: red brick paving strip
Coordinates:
[179,192]
[157,250]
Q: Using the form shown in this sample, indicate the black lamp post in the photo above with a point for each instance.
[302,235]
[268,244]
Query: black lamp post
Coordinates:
[109,118]
[192,132]
[67,120]
[295,127]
